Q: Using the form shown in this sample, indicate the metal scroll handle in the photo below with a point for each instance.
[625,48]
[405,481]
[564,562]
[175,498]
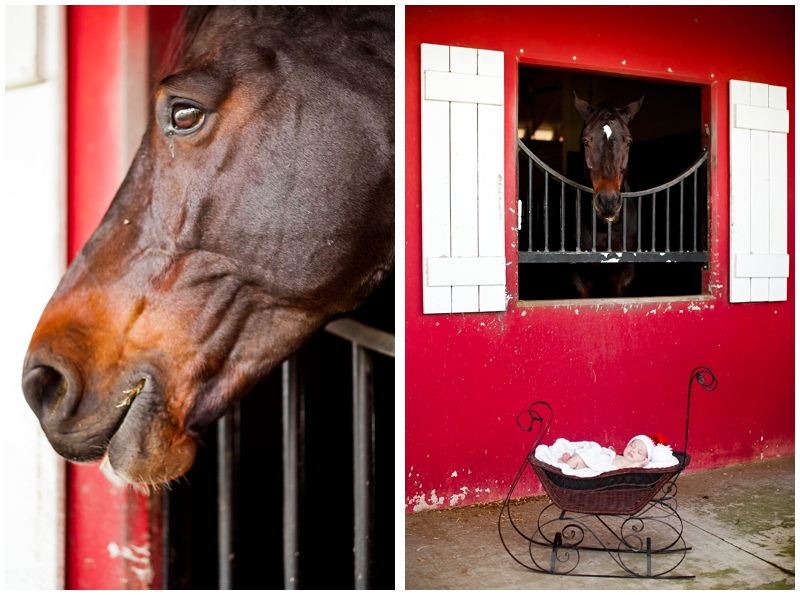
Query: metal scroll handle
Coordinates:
[705,378]
[536,420]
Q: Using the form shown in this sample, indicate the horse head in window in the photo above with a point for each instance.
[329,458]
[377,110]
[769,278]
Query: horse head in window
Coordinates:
[259,205]
[606,140]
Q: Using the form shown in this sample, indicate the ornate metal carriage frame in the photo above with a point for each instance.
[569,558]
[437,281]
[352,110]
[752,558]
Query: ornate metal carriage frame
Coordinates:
[632,515]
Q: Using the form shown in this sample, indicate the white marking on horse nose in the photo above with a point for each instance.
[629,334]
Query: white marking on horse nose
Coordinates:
[607,130]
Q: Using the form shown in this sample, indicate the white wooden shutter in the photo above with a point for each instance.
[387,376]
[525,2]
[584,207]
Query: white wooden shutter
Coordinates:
[463,244]
[759,186]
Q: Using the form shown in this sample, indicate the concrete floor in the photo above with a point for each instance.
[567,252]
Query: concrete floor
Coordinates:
[738,521]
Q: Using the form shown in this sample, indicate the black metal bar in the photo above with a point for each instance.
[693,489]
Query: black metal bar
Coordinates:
[695,211]
[578,220]
[667,248]
[546,168]
[624,226]
[530,205]
[608,236]
[639,228]
[366,336]
[562,215]
[611,257]
[292,430]
[363,464]
[546,219]
[708,384]
[681,246]
[554,552]
[653,243]
[225,436]
[594,228]
[649,558]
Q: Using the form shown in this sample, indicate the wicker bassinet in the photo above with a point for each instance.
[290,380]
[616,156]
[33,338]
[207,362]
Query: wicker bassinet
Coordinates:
[623,491]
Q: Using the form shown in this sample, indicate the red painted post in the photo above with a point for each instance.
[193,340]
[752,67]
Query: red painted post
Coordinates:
[114,535]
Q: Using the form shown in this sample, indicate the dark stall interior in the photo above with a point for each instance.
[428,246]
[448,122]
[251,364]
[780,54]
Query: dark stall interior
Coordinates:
[326,524]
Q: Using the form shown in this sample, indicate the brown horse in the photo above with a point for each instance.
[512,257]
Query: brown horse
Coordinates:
[606,140]
[259,205]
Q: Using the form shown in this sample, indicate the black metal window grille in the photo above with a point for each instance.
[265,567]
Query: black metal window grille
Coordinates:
[258,509]
[672,219]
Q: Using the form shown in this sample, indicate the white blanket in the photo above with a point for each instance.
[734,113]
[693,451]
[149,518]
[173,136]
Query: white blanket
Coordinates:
[598,459]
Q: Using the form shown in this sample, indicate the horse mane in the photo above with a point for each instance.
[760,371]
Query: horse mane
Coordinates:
[182,36]
[358,21]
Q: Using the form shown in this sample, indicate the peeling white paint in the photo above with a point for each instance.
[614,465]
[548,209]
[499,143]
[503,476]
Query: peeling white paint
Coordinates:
[421,504]
[454,474]
[456,498]
[138,555]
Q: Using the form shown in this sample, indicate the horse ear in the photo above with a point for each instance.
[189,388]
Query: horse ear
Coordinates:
[583,107]
[627,112]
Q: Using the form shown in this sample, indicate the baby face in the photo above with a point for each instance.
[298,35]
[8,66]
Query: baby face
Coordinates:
[635,452]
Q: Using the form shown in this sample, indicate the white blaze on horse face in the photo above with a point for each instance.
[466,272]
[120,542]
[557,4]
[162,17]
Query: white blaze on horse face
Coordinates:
[607,130]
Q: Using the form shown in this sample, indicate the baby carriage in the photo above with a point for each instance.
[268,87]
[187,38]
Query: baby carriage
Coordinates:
[631,514]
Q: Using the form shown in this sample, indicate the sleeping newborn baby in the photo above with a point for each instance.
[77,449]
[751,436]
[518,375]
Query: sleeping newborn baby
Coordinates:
[638,453]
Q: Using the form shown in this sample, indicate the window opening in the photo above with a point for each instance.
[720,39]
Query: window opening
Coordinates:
[667,220]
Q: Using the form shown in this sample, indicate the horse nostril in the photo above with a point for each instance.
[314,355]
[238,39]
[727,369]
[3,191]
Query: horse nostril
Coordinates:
[44,388]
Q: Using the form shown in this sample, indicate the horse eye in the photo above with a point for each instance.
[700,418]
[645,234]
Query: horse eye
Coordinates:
[629,142]
[186,118]
[585,143]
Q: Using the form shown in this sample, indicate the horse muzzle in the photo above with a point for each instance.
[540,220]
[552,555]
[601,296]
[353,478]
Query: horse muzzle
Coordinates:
[54,391]
[608,206]
[126,422]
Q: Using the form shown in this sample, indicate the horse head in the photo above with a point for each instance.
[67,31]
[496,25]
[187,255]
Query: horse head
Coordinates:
[606,140]
[258,206]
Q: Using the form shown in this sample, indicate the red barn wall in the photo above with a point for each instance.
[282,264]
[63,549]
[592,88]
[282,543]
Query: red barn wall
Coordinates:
[610,369]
